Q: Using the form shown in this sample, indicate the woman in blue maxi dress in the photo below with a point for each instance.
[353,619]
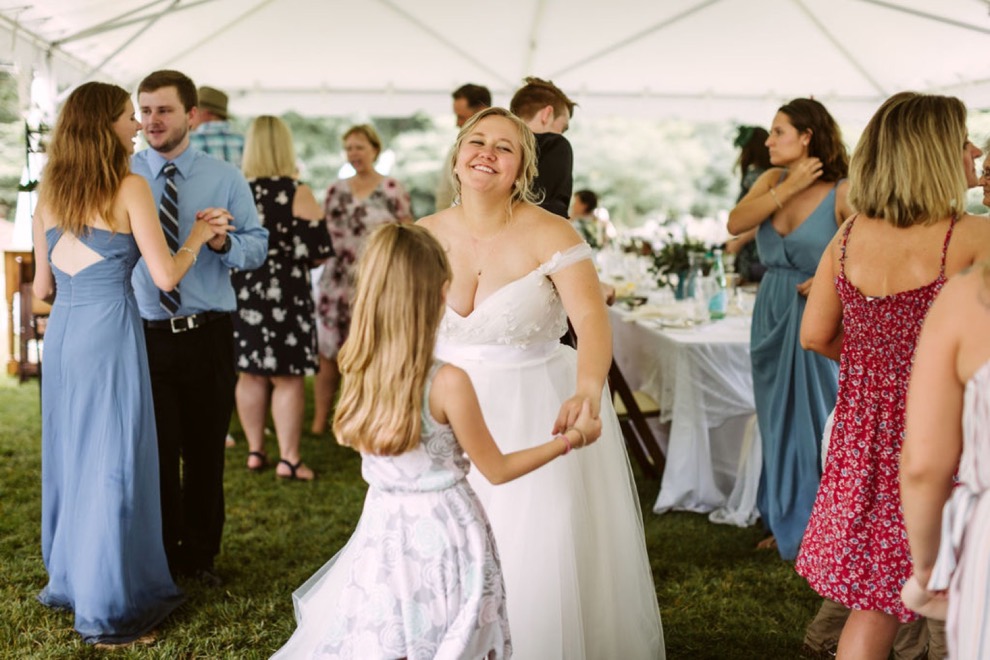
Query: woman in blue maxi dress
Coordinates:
[797,206]
[101,535]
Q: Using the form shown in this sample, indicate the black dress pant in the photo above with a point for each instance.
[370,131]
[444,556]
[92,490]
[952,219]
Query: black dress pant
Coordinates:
[192,380]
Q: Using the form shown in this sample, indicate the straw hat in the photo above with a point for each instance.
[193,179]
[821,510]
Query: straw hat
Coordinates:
[214,100]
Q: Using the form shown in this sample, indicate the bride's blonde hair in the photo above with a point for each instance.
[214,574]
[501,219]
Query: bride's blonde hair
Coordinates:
[389,350]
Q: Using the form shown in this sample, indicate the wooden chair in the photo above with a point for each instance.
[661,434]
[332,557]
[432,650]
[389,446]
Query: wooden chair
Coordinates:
[33,319]
[633,408]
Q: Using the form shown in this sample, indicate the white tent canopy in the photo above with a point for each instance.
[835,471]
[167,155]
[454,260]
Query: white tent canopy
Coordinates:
[701,59]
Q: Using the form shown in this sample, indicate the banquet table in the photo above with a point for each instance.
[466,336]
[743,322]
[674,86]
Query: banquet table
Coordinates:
[702,379]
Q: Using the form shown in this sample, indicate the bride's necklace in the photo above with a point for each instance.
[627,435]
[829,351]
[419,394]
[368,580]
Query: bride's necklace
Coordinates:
[482,261]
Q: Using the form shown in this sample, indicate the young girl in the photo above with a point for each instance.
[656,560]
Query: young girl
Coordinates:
[420,577]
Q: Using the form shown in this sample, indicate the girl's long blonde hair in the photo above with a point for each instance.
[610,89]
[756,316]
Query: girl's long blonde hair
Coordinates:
[86,160]
[389,350]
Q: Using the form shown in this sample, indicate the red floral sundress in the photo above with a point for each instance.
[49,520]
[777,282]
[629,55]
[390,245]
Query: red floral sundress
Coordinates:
[855,549]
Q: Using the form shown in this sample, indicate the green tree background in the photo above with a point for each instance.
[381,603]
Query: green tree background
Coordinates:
[658,171]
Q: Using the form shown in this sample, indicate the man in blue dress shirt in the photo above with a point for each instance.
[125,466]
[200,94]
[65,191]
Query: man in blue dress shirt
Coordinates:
[190,349]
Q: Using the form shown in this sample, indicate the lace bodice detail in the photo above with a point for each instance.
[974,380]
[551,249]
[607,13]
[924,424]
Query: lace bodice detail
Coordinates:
[523,312]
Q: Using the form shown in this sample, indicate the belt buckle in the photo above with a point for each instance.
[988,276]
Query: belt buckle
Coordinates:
[188,323]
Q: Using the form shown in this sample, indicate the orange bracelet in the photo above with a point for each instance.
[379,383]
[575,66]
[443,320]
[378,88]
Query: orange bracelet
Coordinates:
[567,442]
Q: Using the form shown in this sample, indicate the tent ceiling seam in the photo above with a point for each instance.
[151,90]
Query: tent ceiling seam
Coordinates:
[532,45]
[109,24]
[841,48]
[930,17]
[99,67]
[188,50]
[626,41]
[443,40]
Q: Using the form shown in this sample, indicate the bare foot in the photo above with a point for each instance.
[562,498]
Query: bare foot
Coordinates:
[229,442]
[318,427]
[769,543]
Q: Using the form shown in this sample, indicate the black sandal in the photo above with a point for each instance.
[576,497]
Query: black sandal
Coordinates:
[292,476]
[261,456]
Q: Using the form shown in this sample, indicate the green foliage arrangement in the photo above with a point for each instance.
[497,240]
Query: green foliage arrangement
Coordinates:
[674,258]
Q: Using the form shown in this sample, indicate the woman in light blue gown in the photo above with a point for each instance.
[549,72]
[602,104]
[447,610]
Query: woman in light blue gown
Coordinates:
[796,206]
[101,536]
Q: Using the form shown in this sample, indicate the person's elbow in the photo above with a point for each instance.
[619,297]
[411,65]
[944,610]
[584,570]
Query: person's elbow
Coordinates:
[817,339]
[41,289]
[164,281]
[733,225]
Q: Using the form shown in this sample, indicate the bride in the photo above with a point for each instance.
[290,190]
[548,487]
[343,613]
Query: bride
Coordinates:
[578,581]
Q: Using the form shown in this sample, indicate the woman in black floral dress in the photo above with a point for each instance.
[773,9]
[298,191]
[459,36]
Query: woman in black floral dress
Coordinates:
[274,329]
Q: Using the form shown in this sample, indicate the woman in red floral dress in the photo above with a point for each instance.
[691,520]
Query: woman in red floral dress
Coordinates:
[870,295]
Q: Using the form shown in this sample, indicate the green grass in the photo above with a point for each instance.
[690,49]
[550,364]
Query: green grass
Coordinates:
[719,597]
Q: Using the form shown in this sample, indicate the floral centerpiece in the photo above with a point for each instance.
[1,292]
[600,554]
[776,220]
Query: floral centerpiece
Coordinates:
[674,258]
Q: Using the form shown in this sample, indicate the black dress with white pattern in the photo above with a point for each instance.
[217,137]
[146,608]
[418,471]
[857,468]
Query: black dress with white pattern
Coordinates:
[274,327]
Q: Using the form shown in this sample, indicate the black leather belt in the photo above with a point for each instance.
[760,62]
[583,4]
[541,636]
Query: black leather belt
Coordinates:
[178,324]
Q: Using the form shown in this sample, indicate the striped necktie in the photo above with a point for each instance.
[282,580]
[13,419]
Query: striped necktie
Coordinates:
[168,214]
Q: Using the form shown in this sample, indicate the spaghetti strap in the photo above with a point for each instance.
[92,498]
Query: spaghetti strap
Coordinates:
[845,238]
[945,245]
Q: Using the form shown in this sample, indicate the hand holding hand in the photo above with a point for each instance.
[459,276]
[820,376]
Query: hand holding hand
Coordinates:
[589,426]
[917,598]
[570,411]
[203,232]
[222,222]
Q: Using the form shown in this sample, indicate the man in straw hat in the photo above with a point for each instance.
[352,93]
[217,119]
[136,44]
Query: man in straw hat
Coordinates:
[213,134]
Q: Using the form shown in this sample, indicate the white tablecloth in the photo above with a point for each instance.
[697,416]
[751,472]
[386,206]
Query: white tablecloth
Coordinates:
[702,379]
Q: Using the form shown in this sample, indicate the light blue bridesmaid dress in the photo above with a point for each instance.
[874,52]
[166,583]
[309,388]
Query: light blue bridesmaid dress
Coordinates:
[794,389]
[101,533]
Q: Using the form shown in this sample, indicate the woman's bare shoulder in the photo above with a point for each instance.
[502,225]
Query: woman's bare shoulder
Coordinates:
[133,185]
[439,221]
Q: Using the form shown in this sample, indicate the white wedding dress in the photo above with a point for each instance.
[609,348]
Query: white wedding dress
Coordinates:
[570,535]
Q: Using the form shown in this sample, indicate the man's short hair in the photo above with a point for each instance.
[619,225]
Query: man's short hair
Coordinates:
[537,94]
[168,78]
[477,96]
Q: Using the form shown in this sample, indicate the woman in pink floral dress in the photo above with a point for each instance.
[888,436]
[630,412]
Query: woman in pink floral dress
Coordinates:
[354,207]
[869,298]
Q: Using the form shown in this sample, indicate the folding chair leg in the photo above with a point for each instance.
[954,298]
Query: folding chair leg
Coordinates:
[652,446]
[635,446]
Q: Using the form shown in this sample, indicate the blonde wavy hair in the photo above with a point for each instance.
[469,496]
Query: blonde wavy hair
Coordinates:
[522,189]
[268,150]
[907,168]
[387,356]
[86,160]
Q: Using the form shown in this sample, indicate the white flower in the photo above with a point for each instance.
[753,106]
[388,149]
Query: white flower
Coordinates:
[278,313]
[251,316]
[290,340]
[282,198]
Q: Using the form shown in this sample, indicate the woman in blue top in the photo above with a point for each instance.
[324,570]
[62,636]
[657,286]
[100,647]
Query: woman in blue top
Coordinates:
[797,205]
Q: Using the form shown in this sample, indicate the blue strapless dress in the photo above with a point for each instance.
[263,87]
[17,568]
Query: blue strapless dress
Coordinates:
[794,389]
[101,530]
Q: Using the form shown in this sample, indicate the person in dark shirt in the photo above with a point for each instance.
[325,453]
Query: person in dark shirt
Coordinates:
[547,111]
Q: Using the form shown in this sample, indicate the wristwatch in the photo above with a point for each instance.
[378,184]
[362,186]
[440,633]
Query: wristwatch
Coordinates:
[225,248]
